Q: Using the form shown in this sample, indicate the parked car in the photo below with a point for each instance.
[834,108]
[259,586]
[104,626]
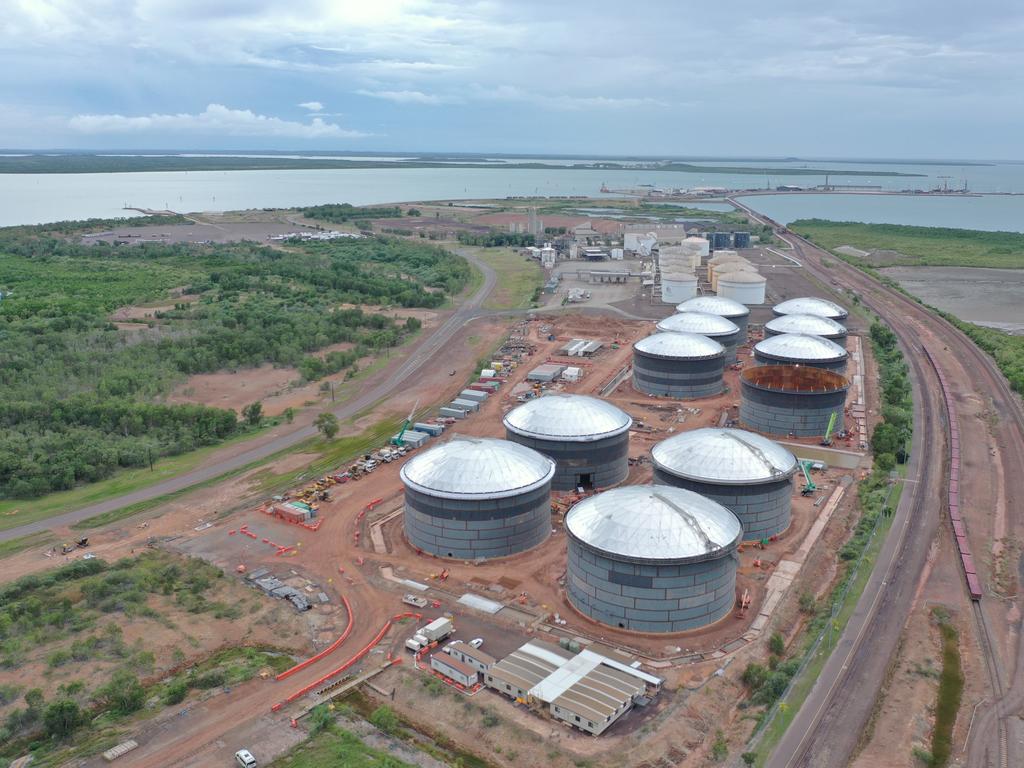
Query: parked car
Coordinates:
[245,759]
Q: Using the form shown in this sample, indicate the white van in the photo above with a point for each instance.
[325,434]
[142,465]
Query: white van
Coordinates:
[245,759]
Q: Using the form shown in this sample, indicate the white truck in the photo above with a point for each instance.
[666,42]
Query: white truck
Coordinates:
[433,632]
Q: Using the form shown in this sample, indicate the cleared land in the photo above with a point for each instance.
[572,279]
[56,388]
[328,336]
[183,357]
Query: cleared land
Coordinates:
[519,278]
[989,297]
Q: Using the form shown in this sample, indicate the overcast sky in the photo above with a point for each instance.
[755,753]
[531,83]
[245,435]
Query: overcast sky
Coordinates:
[860,78]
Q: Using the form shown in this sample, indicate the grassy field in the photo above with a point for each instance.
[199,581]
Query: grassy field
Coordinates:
[336,746]
[917,246]
[32,540]
[518,278]
[951,688]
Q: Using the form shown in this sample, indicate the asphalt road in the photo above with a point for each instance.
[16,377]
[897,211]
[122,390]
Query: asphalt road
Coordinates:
[423,353]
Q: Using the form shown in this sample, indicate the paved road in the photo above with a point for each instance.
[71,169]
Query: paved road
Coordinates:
[423,352]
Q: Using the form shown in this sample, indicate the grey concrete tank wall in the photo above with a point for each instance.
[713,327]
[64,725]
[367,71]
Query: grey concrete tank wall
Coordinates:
[742,323]
[799,413]
[838,366]
[648,597]
[477,528]
[683,379]
[764,509]
[841,339]
[599,463]
[730,342]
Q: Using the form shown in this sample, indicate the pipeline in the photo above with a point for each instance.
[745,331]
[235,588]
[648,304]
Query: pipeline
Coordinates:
[332,647]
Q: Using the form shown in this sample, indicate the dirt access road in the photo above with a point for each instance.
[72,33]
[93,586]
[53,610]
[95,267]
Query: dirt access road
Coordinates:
[829,726]
[390,380]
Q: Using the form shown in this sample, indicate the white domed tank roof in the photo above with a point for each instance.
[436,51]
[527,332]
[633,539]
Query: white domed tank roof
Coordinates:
[724,456]
[714,305]
[477,468]
[811,305]
[576,418]
[698,322]
[801,346]
[654,523]
[682,346]
[813,325]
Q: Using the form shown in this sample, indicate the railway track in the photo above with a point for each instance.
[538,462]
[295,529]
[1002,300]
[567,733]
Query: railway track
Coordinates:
[843,709]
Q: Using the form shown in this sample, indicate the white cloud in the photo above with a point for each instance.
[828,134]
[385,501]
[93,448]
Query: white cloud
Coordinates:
[215,120]
[312,106]
[404,97]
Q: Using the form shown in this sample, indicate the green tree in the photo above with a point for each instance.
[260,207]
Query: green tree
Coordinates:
[413,212]
[62,718]
[749,758]
[253,414]
[719,748]
[384,717]
[777,644]
[176,691]
[327,424]
[320,719]
[124,693]
[885,439]
[34,699]
[289,415]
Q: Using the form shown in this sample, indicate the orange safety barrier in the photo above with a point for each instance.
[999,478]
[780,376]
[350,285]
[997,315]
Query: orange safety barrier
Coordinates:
[332,647]
[372,504]
[333,673]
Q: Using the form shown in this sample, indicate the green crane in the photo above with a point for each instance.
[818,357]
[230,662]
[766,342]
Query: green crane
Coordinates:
[397,439]
[827,440]
[809,486]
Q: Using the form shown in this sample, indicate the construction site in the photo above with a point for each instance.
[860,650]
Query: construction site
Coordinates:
[482,543]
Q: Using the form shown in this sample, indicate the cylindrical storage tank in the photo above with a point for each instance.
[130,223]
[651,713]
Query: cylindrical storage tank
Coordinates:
[729,268]
[811,305]
[743,471]
[477,497]
[686,366]
[744,287]
[720,240]
[801,349]
[721,306]
[741,239]
[725,332]
[812,325]
[678,286]
[652,558]
[587,438]
[792,399]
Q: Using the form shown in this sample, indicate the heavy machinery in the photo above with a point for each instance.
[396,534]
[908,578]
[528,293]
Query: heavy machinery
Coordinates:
[397,439]
[809,486]
[827,440]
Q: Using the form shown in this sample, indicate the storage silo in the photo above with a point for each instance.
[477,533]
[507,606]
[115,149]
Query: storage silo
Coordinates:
[741,239]
[588,438]
[681,365]
[678,285]
[801,349]
[652,558]
[744,287]
[811,305]
[743,471]
[812,325]
[721,306]
[720,240]
[729,268]
[725,332]
[477,497]
[792,399]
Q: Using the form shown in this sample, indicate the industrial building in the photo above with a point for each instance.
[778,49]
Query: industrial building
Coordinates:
[680,365]
[587,689]
[743,471]
[810,305]
[792,400]
[652,558]
[721,306]
[472,657]
[725,332]
[801,349]
[453,669]
[588,438]
[744,287]
[476,497]
[812,325]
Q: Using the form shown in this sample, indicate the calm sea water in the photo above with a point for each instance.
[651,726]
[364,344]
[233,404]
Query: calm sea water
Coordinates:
[38,198]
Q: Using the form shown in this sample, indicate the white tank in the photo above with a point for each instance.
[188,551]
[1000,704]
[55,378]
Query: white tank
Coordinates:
[677,287]
[730,266]
[744,287]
